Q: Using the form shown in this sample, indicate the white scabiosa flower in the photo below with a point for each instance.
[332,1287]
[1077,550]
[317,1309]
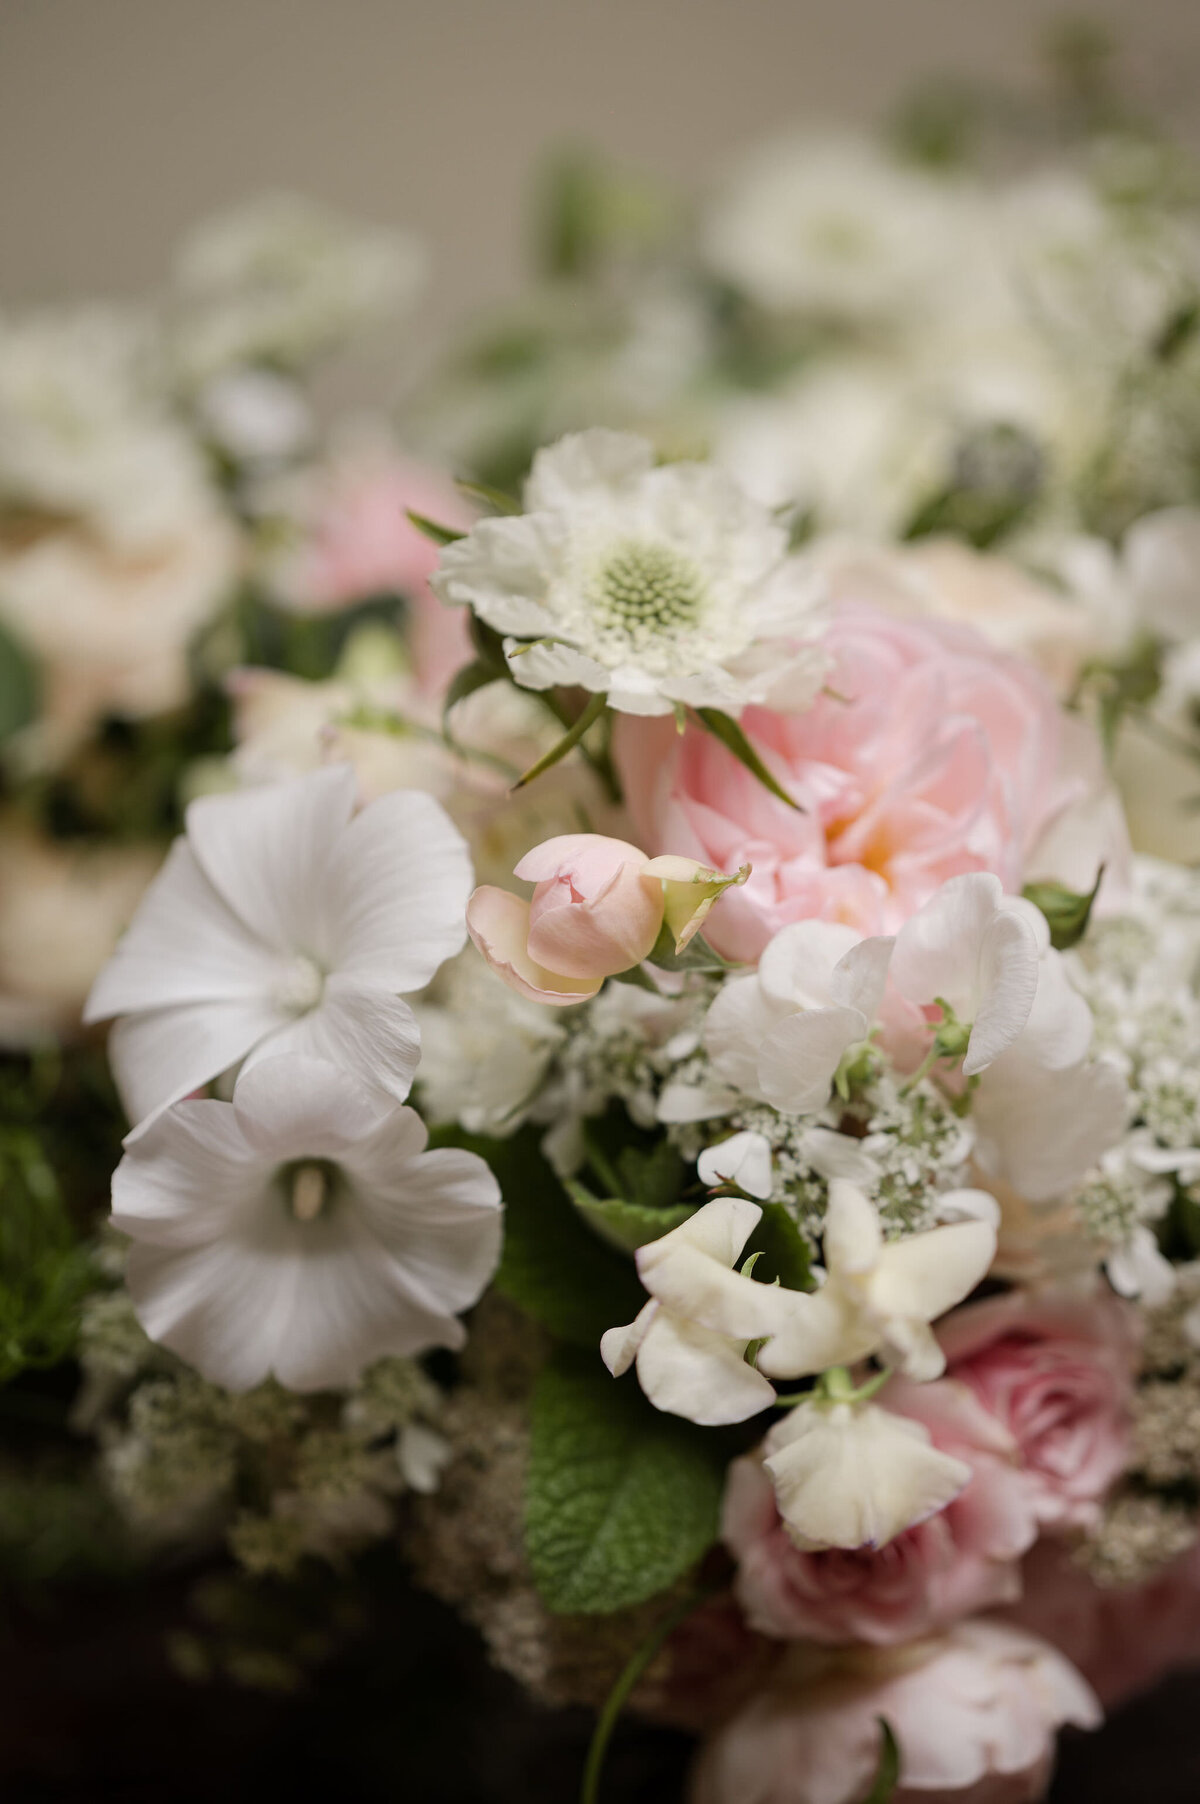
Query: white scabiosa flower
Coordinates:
[780,1034]
[302,1230]
[690,1339]
[282,922]
[649,585]
[881,1297]
[853,1475]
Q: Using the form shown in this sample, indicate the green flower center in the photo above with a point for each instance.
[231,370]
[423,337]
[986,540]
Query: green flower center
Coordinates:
[645,589]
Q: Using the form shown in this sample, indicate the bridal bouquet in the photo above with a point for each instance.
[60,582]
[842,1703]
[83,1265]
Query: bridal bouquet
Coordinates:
[654,1076]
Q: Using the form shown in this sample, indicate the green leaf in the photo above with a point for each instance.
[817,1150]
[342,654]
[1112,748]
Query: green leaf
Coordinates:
[569,740]
[620,1499]
[784,1250]
[626,1225]
[441,535]
[499,500]
[489,645]
[652,1176]
[1067,911]
[727,730]
[887,1773]
[1177,332]
[465,682]
[551,1266]
[19,686]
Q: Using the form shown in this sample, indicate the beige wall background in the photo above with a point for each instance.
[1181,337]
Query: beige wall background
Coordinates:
[123,120]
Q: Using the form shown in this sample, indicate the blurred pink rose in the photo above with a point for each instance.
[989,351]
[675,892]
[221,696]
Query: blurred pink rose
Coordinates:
[360,542]
[1055,1370]
[929,754]
[974,1713]
[1123,1638]
[960,1560]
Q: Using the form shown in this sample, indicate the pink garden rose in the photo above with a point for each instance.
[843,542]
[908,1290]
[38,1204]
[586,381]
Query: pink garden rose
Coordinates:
[359,542]
[975,1715]
[930,753]
[1055,1371]
[964,1558]
[1123,1638]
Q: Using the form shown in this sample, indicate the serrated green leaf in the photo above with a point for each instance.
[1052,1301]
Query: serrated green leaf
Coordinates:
[620,1499]
[441,535]
[784,1250]
[624,1225]
[727,730]
[551,1266]
[19,686]
[887,1773]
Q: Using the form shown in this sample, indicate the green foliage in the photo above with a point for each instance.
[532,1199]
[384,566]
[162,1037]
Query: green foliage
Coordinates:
[623,1224]
[18,686]
[1067,911]
[570,739]
[621,1500]
[45,1271]
[996,478]
[887,1773]
[552,1266]
[727,730]
[1121,689]
[784,1250]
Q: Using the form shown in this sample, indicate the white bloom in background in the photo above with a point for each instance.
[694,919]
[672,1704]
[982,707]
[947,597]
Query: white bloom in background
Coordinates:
[744,1159]
[302,1230]
[835,226]
[281,278]
[977,950]
[877,1296]
[484,1049]
[649,585]
[256,416]
[1041,1130]
[690,1339]
[281,922]
[780,1034]
[853,1475]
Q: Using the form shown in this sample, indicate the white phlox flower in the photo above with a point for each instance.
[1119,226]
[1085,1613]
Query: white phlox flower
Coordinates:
[881,1297]
[853,1475]
[653,586]
[780,1034]
[690,1339]
[282,922]
[301,1230]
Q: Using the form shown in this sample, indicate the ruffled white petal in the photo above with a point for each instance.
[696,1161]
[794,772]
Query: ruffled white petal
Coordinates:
[689,1371]
[161,1055]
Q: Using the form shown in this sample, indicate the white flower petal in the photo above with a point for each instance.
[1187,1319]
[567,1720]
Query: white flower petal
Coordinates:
[503,569]
[364,1029]
[619,1346]
[294,1106]
[164,1054]
[689,1371]
[744,1159]
[550,665]
[937,951]
[689,1270]
[798,1058]
[797,966]
[397,892]
[924,1275]
[1007,982]
[595,465]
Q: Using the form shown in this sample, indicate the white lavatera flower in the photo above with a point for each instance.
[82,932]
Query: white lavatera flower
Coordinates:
[653,586]
[780,1034]
[283,922]
[690,1339]
[853,1475]
[301,1230]
[880,1297]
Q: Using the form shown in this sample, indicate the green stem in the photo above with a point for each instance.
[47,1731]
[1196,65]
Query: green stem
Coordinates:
[569,740]
[615,1702]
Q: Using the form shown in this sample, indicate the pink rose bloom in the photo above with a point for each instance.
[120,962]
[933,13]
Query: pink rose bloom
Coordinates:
[360,542]
[975,1715]
[1123,1638]
[929,754]
[1055,1370]
[960,1560]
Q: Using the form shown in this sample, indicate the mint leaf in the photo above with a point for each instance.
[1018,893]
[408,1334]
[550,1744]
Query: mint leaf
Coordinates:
[552,1266]
[620,1499]
[626,1225]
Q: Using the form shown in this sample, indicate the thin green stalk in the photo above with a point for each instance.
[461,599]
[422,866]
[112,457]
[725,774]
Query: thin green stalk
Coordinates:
[606,1722]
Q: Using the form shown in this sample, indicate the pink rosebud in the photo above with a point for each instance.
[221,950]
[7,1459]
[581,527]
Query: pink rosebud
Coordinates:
[597,909]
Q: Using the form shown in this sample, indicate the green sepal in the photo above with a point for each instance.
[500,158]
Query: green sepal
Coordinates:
[697,955]
[726,729]
[441,535]
[1067,911]
[620,1499]
[570,739]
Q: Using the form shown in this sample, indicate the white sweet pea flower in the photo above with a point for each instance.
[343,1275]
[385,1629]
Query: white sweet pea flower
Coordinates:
[653,586]
[780,1034]
[301,1230]
[977,950]
[744,1159]
[853,1475]
[690,1339]
[282,922]
[877,1296]
[1041,1130]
